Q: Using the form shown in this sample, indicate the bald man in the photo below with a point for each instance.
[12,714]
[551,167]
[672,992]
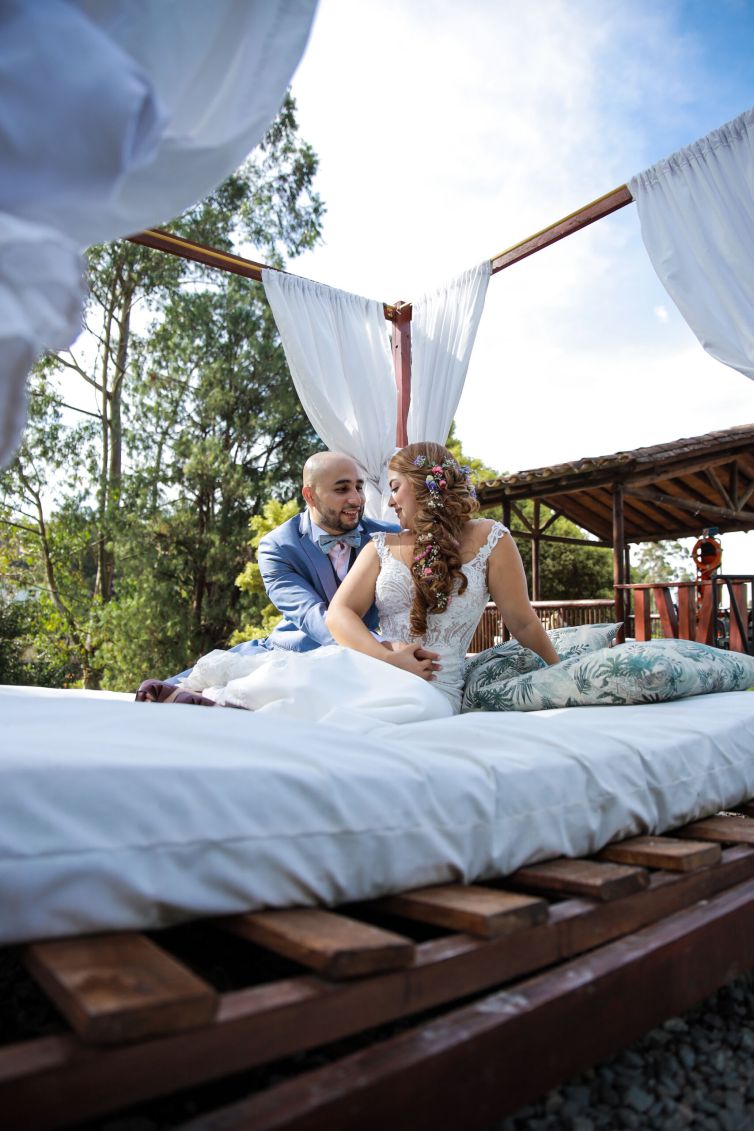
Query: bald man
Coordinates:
[304,561]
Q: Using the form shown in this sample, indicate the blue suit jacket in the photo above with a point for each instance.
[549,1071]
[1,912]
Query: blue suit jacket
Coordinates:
[300,582]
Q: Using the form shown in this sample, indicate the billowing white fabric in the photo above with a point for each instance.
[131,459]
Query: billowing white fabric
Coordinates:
[124,815]
[443,329]
[338,352]
[116,115]
[696,210]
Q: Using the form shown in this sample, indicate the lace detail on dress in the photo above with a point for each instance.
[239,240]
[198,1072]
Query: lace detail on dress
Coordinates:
[448,633]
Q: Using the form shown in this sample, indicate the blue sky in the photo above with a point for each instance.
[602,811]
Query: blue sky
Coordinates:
[448,131]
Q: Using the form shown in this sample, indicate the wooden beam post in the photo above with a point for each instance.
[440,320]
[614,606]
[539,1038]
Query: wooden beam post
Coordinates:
[536,572]
[402,364]
[619,545]
[574,222]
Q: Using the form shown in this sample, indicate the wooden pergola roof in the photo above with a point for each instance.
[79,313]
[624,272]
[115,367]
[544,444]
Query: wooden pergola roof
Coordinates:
[669,490]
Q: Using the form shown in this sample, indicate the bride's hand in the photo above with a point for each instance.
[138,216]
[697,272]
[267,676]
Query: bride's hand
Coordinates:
[413,658]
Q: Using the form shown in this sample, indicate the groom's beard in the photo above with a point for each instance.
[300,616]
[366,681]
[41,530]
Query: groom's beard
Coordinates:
[335,523]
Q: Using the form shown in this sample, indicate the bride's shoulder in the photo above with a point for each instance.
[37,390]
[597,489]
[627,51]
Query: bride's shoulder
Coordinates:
[479,530]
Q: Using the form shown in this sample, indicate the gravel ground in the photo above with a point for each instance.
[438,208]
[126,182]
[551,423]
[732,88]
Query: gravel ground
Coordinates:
[695,1071]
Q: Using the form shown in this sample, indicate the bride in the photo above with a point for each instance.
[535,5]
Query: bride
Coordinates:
[430,583]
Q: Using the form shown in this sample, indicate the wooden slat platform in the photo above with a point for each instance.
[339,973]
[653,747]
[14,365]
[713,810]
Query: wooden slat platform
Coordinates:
[549,947]
[115,988]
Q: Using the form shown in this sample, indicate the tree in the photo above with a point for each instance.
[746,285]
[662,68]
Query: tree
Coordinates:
[662,561]
[249,581]
[196,422]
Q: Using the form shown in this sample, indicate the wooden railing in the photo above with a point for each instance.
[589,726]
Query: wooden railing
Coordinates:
[688,610]
[681,610]
[553,614]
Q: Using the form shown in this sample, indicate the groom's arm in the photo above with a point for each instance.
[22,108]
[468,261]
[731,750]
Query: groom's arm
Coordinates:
[291,593]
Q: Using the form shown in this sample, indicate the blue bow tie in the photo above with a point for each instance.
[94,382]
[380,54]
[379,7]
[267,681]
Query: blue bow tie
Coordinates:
[327,541]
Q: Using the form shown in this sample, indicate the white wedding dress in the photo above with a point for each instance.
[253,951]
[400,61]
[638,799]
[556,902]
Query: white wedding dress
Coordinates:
[346,688]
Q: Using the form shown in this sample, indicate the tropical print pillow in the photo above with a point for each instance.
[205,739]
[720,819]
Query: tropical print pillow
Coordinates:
[649,671]
[506,661]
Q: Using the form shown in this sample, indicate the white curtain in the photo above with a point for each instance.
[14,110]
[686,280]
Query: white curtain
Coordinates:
[443,328]
[696,210]
[339,355]
[116,115]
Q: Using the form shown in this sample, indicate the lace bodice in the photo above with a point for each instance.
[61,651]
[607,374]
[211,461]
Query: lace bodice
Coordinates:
[448,633]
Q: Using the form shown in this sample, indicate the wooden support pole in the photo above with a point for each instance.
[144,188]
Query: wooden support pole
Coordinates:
[619,543]
[536,572]
[168,242]
[574,222]
[402,364]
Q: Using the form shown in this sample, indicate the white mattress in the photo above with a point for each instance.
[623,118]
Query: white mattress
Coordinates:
[116,814]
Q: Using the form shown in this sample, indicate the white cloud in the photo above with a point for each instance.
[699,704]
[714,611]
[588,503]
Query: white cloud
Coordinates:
[447,132]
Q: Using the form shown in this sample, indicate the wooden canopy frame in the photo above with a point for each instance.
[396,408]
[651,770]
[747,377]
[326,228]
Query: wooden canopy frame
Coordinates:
[399,313]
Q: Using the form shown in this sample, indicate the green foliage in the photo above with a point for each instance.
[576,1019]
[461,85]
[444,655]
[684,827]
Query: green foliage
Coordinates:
[249,580]
[26,656]
[134,550]
[662,561]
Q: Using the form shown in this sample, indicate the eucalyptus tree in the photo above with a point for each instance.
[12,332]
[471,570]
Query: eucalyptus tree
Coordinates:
[188,421]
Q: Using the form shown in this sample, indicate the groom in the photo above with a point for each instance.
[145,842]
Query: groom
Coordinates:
[303,562]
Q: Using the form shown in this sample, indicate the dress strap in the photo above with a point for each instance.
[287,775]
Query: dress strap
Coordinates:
[497,531]
[379,540]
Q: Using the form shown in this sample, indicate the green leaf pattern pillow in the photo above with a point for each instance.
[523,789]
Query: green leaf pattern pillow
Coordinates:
[638,672]
[502,662]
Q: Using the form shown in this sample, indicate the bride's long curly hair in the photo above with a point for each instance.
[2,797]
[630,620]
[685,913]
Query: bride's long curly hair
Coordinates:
[445,500]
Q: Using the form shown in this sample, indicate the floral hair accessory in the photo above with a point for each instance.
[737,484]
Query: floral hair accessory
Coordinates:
[425,559]
[466,473]
[419,461]
[437,480]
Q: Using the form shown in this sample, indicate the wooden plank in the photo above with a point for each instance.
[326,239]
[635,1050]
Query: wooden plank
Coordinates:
[333,945]
[726,830]
[663,852]
[666,609]
[474,1065]
[49,1081]
[582,877]
[687,612]
[704,625]
[481,911]
[739,617]
[642,615]
[119,987]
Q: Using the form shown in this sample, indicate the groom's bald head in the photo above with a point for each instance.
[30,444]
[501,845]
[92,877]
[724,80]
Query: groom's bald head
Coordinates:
[333,488]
